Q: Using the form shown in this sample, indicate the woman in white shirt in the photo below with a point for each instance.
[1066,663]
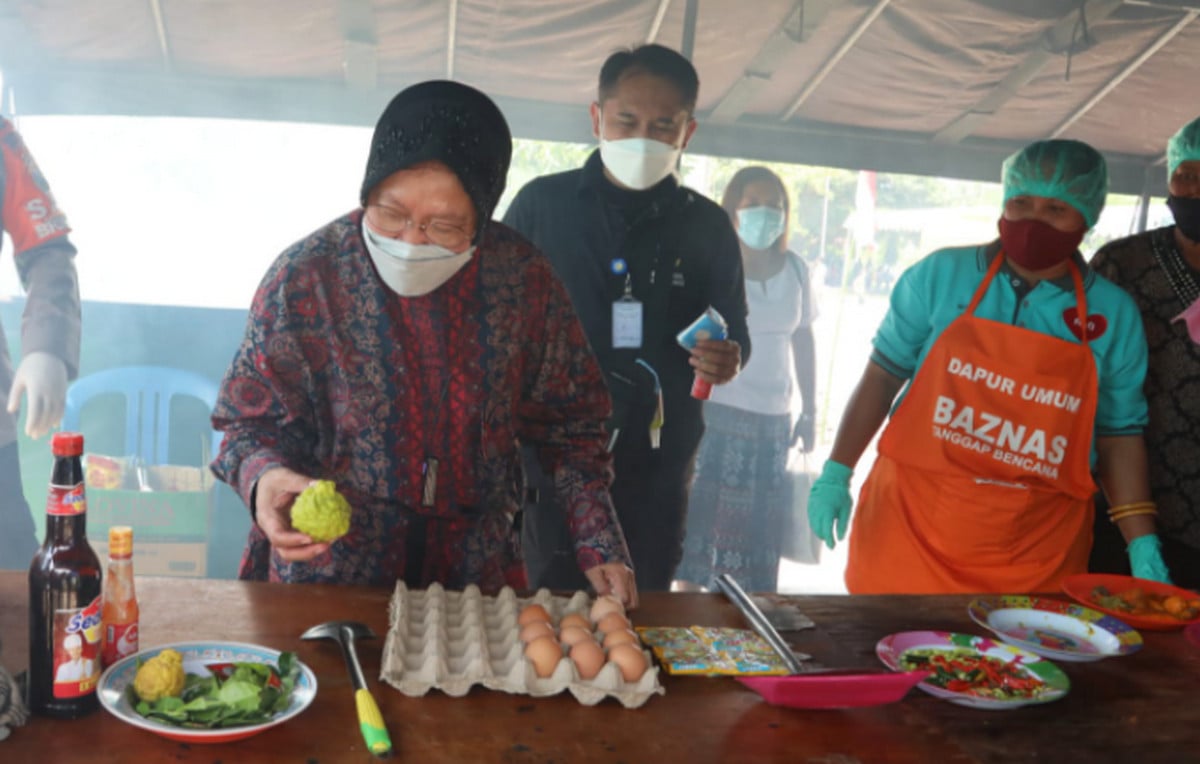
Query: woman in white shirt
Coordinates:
[741,489]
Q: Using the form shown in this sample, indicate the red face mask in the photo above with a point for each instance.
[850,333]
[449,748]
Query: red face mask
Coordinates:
[1036,245]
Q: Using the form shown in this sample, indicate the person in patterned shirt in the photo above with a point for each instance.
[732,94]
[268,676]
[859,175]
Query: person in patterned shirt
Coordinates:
[50,328]
[405,351]
[1161,270]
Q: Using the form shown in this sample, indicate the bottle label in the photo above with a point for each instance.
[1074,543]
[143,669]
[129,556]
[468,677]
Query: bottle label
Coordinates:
[77,650]
[120,640]
[66,501]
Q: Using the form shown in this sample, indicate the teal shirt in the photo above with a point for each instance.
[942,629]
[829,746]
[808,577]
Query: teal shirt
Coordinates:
[937,290]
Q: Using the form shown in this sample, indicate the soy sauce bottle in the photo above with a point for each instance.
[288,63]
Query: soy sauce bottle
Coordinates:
[64,596]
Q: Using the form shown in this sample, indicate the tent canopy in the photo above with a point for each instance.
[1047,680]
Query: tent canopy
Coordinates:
[933,87]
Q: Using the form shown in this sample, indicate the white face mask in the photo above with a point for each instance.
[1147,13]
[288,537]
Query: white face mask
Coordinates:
[639,163]
[412,270]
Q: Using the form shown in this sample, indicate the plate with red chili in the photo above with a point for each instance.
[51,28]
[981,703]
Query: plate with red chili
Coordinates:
[1055,629]
[973,671]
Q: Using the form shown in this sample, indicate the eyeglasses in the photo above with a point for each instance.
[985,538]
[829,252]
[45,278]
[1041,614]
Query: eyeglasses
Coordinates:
[393,222]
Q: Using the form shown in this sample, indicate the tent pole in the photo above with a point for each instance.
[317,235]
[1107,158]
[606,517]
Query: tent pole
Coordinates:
[690,11]
[1143,208]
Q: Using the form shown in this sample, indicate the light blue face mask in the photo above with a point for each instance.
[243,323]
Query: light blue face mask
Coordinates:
[760,227]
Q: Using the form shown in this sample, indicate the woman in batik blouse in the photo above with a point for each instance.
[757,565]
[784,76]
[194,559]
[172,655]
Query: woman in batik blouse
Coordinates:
[404,351]
[1161,270]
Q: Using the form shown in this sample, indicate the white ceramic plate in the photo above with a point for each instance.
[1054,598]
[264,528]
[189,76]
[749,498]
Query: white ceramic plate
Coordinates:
[196,657]
[1054,629]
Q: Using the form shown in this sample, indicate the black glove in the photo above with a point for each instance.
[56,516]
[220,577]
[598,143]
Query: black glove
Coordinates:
[805,430]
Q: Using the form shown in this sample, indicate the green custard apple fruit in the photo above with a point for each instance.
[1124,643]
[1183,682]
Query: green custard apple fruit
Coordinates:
[321,512]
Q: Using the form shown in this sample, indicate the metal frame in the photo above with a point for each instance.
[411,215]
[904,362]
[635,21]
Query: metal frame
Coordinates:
[847,44]
[360,60]
[160,30]
[1127,70]
[969,121]
[655,25]
[451,35]
[770,55]
[64,88]
[70,91]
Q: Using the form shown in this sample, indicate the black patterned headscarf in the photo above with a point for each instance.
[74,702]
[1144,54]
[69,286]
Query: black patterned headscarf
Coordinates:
[453,124]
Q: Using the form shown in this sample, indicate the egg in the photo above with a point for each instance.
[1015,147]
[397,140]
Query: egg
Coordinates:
[535,629]
[532,612]
[544,653]
[612,622]
[620,637]
[605,605]
[573,635]
[588,658]
[575,619]
[630,660]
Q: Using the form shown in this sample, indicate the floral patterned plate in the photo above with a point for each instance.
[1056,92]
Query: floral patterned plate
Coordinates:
[1055,629]
[1033,679]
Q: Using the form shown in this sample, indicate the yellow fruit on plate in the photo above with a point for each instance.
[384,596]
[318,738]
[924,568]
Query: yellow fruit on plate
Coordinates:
[160,677]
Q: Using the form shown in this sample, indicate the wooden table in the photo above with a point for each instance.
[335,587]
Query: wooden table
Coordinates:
[1141,708]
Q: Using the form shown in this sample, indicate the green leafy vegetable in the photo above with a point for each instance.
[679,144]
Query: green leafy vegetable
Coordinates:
[233,695]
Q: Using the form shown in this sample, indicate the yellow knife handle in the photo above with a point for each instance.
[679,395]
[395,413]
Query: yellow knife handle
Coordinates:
[371,722]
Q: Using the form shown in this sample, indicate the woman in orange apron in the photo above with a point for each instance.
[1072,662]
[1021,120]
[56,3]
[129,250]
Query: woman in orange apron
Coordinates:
[1020,365]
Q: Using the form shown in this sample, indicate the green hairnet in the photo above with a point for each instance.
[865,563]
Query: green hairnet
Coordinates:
[1070,171]
[1184,146]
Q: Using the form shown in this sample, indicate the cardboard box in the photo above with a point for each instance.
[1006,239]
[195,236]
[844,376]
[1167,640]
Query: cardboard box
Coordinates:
[170,529]
[170,521]
[159,558]
[154,515]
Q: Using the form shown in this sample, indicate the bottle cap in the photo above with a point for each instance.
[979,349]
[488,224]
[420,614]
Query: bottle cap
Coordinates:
[66,444]
[120,541]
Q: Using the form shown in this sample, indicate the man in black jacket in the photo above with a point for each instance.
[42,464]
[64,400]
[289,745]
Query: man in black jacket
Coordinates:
[642,257]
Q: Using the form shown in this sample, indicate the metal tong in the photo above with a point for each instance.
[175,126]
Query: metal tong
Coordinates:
[738,597]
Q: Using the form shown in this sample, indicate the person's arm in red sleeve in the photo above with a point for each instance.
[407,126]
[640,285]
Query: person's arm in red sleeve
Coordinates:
[45,259]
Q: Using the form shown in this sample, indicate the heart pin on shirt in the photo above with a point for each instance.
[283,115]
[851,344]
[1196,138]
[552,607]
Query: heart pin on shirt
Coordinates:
[1096,324]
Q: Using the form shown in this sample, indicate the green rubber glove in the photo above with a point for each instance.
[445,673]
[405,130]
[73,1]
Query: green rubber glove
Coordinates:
[829,502]
[1145,557]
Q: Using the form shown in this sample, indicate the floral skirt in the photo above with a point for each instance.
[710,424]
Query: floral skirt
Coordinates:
[738,499]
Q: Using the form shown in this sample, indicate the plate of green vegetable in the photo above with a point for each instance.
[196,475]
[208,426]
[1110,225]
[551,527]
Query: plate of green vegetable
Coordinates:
[972,671]
[207,692]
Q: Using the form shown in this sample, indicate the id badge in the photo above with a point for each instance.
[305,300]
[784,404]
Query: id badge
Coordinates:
[627,323]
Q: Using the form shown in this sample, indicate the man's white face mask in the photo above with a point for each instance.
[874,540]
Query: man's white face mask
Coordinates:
[412,270]
[638,163]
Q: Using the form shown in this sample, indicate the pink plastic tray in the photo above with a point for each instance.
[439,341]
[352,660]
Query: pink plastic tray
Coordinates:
[834,690]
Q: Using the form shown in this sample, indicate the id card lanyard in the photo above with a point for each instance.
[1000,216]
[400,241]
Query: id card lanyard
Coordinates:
[626,311]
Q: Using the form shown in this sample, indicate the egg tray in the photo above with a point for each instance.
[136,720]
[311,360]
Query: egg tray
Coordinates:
[452,641]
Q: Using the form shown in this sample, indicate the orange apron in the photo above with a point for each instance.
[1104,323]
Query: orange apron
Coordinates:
[982,483]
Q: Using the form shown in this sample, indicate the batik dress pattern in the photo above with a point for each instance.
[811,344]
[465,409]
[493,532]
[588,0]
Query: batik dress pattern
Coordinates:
[338,378]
